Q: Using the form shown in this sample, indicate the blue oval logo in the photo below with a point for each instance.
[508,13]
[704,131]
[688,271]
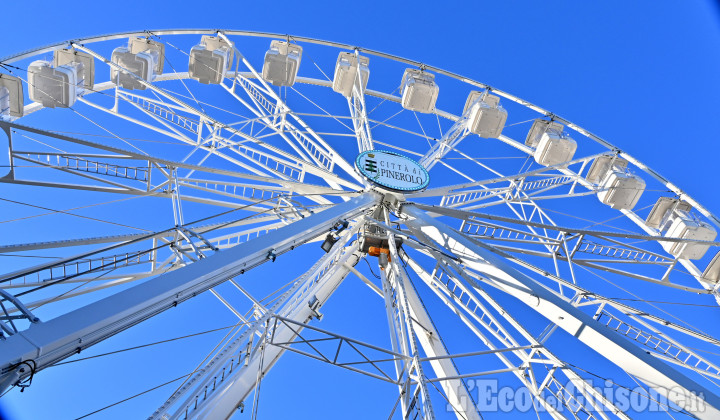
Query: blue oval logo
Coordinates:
[392,170]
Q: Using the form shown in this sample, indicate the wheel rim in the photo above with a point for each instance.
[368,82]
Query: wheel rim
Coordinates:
[330,145]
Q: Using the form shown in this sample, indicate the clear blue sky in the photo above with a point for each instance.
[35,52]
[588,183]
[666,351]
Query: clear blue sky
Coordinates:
[643,75]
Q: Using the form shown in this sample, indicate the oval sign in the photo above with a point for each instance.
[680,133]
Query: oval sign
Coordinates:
[392,170]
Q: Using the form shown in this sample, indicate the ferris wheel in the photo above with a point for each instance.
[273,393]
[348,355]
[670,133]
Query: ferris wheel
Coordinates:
[255,171]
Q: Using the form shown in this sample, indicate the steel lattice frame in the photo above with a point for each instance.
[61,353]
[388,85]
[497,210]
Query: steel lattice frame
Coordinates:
[271,170]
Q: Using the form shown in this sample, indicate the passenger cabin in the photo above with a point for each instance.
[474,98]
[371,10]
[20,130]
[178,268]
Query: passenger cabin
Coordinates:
[143,58]
[4,101]
[486,117]
[210,59]
[419,91]
[619,188]
[346,73]
[86,77]
[281,64]
[712,272]
[552,145]
[12,102]
[674,219]
[54,87]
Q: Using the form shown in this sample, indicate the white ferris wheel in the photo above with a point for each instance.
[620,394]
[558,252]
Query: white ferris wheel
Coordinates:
[146,171]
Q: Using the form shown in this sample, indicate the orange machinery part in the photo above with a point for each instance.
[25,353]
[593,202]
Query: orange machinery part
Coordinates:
[376,251]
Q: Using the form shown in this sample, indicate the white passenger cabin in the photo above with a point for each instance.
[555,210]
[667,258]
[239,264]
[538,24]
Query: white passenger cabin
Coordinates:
[54,86]
[552,145]
[486,117]
[281,64]
[86,76]
[142,57]
[619,188]
[12,102]
[210,60]
[346,72]
[419,91]
[712,272]
[687,226]
[4,101]
[674,218]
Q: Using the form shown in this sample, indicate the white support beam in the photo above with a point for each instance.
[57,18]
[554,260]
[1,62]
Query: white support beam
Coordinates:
[119,153]
[493,327]
[49,342]
[429,339]
[226,396]
[399,282]
[550,170]
[133,236]
[485,319]
[333,157]
[398,338]
[241,348]
[668,382]
[447,143]
[358,112]
[596,299]
[314,145]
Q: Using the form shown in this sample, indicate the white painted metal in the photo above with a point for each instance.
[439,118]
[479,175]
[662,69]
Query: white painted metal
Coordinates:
[251,154]
[431,342]
[54,87]
[395,282]
[313,154]
[683,195]
[487,118]
[210,60]
[141,64]
[462,298]
[621,190]
[554,148]
[351,71]
[314,145]
[248,191]
[226,396]
[59,338]
[86,75]
[281,63]
[357,80]
[665,380]
[419,91]
[12,98]
[448,142]
[683,225]
[563,168]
